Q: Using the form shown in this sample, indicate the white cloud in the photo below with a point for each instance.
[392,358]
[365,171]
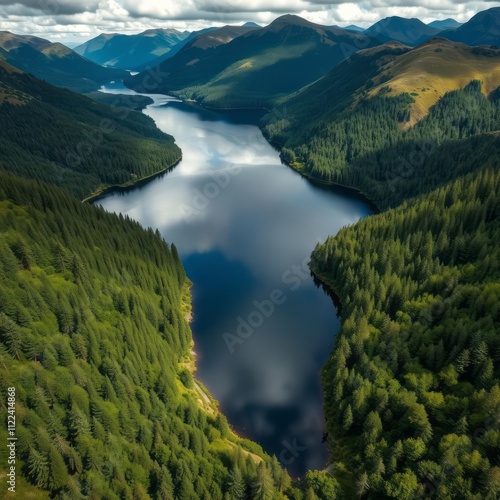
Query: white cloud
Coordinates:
[72,20]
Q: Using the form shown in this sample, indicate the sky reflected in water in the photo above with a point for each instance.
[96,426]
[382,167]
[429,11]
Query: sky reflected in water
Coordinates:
[245,225]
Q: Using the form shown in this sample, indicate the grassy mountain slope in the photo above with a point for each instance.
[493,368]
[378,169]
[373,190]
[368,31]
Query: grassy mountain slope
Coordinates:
[94,339]
[257,67]
[54,62]
[482,29]
[412,390]
[407,31]
[351,128]
[66,139]
[130,51]
[431,70]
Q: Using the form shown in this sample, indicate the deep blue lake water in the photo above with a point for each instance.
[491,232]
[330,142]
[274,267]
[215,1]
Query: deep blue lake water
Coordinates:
[245,225]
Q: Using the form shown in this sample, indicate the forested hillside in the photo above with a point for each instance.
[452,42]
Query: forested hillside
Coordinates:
[66,139]
[404,141]
[54,62]
[412,388]
[94,340]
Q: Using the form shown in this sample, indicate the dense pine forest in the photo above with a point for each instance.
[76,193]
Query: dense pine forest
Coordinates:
[69,140]
[94,339]
[369,144]
[94,334]
[413,386]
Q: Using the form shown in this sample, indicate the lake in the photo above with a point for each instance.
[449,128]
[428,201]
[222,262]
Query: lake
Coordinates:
[245,225]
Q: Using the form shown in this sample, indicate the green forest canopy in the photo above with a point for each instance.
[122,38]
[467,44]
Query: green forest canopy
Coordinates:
[94,339]
[413,386]
[66,139]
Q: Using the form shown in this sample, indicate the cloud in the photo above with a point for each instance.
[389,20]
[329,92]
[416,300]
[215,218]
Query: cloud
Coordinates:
[48,7]
[65,20]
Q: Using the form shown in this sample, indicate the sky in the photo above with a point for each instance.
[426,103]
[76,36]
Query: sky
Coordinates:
[80,20]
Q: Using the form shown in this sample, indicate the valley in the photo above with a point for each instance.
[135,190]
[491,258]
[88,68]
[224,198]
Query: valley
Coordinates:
[174,336]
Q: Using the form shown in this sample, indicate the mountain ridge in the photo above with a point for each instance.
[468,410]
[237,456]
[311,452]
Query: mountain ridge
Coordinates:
[409,31]
[130,51]
[54,62]
[259,66]
[481,29]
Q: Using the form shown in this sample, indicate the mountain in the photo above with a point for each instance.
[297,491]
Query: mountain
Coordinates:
[173,50]
[130,51]
[251,24]
[54,62]
[353,27]
[445,24]
[482,29]
[413,101]
[209,39]
[408,31]
[54,135]
[257,67]
[198,42]
[434,68]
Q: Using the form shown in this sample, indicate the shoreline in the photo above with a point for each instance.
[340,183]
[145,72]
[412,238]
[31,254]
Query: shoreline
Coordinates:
[207,400]
[355,192]
[128,186]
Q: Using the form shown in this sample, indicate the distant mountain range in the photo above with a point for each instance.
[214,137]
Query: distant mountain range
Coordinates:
[229,66]
[150,63]
[445,24]
[54,62]
[408,31]
[129,51]
[256,67]
[353,27]
[482,29]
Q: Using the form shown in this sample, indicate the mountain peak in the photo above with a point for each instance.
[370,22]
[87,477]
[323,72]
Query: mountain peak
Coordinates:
[445,24]
[292,19]
[407,31]
[481,29]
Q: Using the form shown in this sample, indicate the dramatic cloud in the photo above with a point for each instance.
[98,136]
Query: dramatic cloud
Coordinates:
[47,7]
[77,20]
